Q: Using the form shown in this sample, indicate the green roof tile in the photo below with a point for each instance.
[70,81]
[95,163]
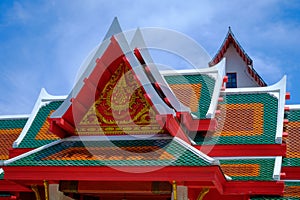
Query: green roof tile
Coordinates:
[2,176]
[267,136]
[30,141]
[12,123]
[293,115]
[10,130]
[291,192]
[113,153]
[292,158]
[291,162]
[207,87]
[249,169]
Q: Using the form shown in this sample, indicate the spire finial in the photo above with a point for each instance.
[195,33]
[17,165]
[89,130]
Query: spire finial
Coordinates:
[114,28]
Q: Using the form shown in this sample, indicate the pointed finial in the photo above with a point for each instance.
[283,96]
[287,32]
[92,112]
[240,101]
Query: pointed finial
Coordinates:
[114,29]
[229,29]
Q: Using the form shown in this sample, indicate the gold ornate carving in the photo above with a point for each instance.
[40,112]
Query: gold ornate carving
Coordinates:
[121,108]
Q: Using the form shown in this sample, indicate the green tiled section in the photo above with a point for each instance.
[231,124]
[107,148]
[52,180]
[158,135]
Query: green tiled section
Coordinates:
[270,107]
[265,171]
[4,194]
[1,175]
[181,156]
[207,87]
[293,115]
[12,123]
[29,140]
[295,194]
[291,162]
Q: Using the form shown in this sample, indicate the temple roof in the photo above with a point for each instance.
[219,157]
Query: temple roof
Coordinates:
[114,151]
[124,112]
[230,39]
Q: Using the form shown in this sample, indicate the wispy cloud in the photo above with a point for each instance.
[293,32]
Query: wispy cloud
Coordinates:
[42,44]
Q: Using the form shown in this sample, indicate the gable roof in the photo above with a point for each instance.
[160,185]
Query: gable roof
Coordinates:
[230,39]
[120,66]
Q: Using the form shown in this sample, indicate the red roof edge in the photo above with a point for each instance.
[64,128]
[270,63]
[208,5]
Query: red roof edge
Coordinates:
[230,39]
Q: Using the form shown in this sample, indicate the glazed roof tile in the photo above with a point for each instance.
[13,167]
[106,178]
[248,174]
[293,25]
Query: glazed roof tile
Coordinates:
[1,174]
[199,88]
[259,169]
[150,152]
[38,133]
[292,158]
[291,192]
[10,129]
[244,119]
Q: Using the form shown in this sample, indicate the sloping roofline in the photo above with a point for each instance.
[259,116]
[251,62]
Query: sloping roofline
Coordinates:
[230,39]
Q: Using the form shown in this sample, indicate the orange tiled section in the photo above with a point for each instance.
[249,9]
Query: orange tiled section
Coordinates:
[292,191]
[112,153]
[241,169]
[7,137]
[188,94]
[44,133]
[240,120]
[292,141]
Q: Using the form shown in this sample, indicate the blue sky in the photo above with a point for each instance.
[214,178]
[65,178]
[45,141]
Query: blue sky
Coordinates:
[43,43]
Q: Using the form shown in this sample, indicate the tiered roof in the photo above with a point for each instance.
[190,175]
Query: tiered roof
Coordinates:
[124,116]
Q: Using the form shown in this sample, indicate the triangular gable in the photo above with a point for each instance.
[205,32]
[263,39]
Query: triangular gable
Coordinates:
[230,39]
[116,98]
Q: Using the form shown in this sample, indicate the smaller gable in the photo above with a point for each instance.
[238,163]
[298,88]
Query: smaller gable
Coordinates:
[231,40]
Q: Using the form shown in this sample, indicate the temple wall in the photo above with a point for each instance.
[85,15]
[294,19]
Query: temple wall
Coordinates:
[234,63]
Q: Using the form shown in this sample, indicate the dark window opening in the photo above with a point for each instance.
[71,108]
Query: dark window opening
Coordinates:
[232,82]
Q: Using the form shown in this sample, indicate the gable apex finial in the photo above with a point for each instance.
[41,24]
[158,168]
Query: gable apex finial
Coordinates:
[114,29]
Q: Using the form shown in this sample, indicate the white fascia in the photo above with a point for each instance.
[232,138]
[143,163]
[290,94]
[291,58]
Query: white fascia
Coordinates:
[278,90]
[245,158]
[21,116]
[43,99]
[277,168]
[200,154]
[294,107]
[1,171]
